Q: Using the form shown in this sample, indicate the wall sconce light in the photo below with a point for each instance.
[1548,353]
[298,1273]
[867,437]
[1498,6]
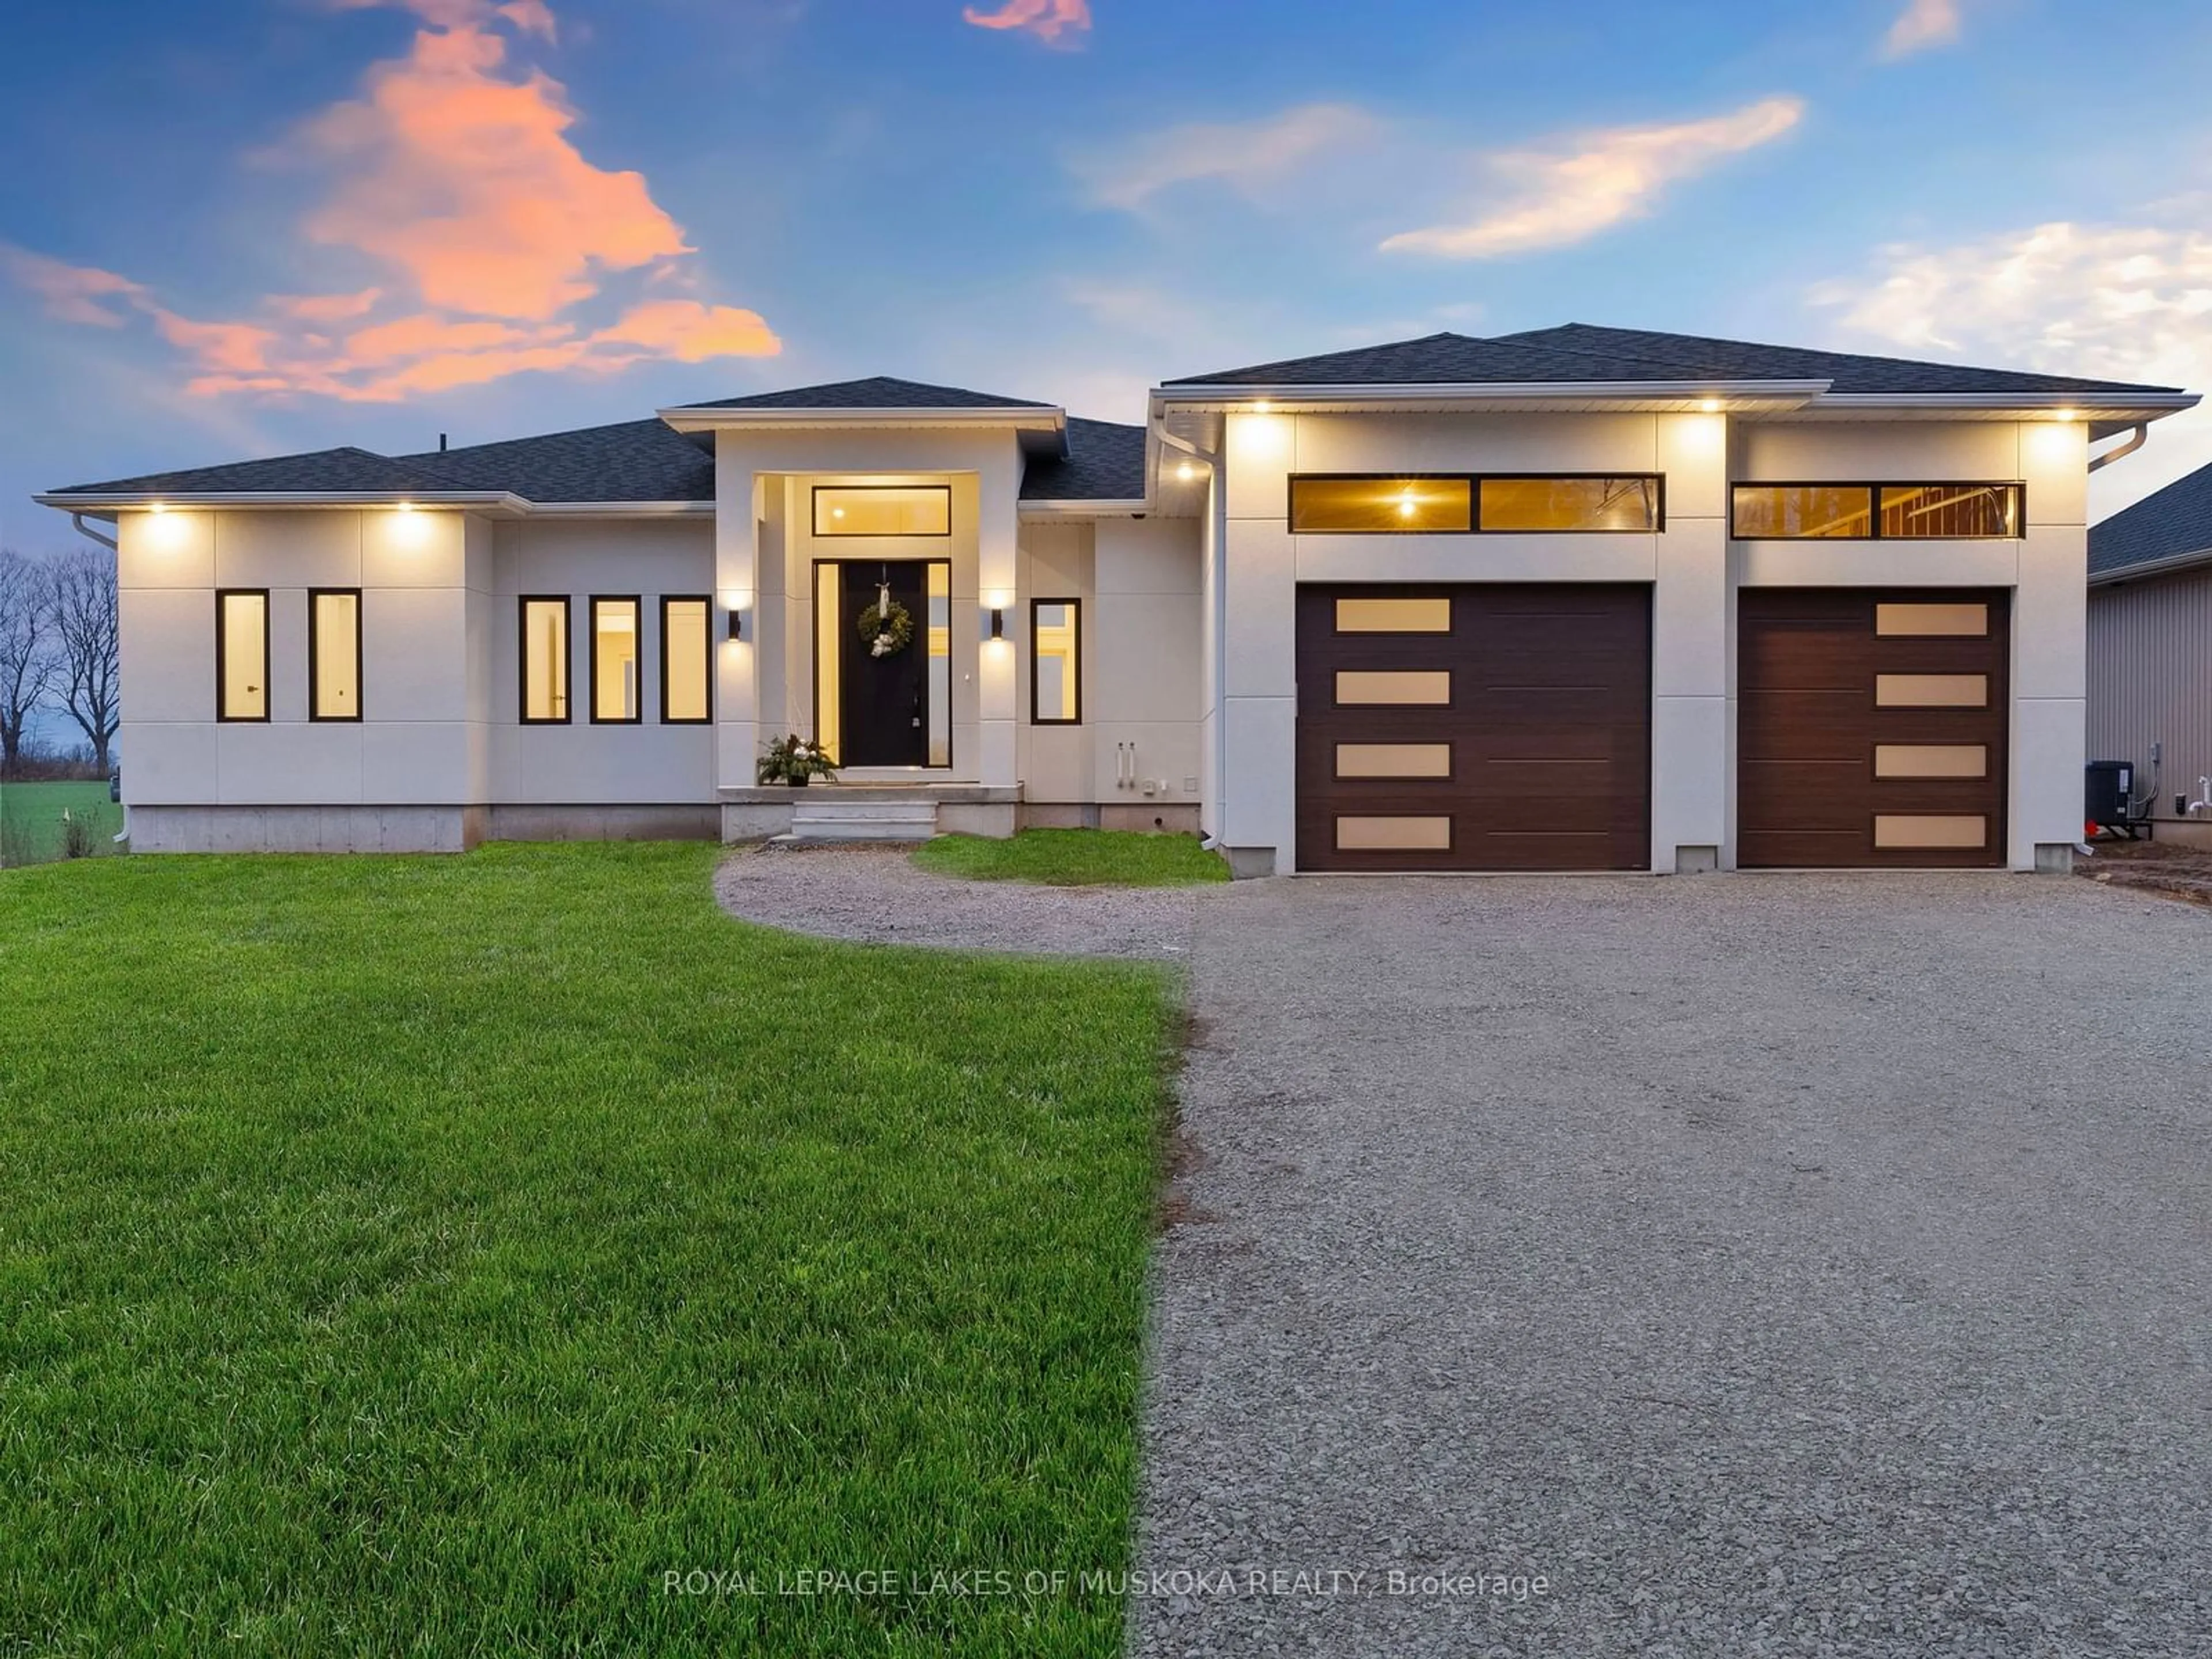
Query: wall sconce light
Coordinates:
[997,621]
[737,624]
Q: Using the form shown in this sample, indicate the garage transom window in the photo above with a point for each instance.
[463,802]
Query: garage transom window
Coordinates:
[1465,504]
[1868,512]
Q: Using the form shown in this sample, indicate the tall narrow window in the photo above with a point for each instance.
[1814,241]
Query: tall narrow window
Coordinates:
[544,660]
[615,660]
[1055,662]
[241,653]
[687,659]
[333,653]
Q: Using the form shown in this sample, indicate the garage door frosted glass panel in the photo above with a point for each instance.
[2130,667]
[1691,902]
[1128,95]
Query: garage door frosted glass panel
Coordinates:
[1394,760]
[1931,690]
[1930,760]
[1393,834]
[1393,687]
[1932,621]
[1897,832]
[1394,615]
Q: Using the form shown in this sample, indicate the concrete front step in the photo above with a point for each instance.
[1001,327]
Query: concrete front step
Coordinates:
[828,817]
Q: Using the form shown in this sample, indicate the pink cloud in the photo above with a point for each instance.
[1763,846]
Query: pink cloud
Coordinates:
[229,348]
[325,308]
[467,182]
[691,332]
[1046,19]
[71,293]
[456,174]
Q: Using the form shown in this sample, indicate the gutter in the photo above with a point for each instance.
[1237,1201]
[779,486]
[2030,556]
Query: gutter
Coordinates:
[1762,393]
[1132,507]
[78,502]
[2165,567]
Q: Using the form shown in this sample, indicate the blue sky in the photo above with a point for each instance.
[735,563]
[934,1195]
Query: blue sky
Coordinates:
[274,225]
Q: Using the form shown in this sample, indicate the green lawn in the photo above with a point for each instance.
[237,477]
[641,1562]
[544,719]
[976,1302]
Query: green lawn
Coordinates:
[431,1255]
[30,819]
[1075,858]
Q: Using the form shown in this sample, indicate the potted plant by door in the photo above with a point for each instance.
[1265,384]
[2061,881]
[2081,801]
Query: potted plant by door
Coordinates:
[794,761]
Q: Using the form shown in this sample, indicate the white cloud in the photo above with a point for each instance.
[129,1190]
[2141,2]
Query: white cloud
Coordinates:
[1551,197]
[1923,24]
[1251,157]
[2106,301]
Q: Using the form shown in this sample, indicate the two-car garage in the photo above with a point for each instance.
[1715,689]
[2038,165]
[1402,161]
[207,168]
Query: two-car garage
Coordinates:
[1508,727]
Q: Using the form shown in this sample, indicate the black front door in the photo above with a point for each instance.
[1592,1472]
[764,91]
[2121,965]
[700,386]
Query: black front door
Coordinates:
[884,701]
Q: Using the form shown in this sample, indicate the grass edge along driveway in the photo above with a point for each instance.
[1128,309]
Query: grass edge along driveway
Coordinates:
[433,1255]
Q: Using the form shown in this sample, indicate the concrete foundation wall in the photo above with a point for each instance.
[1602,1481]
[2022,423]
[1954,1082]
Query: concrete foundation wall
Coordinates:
[306,829]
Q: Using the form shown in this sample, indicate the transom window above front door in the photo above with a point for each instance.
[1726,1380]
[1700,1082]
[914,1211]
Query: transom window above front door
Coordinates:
[883,509]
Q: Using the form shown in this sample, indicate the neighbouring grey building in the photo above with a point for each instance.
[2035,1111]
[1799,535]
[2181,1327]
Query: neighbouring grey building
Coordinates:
[2150,644]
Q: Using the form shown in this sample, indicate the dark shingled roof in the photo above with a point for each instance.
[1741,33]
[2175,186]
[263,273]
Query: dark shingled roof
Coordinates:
[2177,520]
[632,461]
[1579,352]
[336,471]
[879,391]
[1105,463]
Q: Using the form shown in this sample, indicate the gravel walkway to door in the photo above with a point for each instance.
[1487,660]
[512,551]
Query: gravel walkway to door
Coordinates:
[875,896]
[1770,1264]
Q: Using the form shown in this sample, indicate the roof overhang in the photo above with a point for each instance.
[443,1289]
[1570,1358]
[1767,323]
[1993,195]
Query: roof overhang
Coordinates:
[105,504]
[2105,415]
[1134,508]
[1571,397]
[1040,429]
[2170,565]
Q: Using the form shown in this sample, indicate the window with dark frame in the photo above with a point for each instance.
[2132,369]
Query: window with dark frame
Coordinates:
[617,659]
[241,653]
[1846,510]
[687,659]
[543,658]
[334,653]
[1563,503]
[1055,662]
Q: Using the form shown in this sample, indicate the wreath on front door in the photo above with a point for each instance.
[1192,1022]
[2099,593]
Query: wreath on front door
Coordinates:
[886,625]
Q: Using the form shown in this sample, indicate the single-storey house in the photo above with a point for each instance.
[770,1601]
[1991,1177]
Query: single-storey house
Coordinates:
[2150,651]
[1577,598]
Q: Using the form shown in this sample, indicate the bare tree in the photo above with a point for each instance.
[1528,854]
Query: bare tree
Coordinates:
[83,607]
[27,658]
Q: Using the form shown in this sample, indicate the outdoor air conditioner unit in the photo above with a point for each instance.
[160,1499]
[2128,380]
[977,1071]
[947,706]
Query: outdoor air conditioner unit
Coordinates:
[2108,796]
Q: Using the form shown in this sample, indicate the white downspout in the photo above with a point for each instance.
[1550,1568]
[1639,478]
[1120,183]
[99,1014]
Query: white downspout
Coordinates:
[92,535]
[1215,510]
[2136,440]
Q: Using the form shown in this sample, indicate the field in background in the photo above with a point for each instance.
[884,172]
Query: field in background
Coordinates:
[32,827]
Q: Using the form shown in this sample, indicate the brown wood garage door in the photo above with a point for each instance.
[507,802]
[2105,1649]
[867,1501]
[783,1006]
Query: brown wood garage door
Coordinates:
[1475,727]
[1871,726]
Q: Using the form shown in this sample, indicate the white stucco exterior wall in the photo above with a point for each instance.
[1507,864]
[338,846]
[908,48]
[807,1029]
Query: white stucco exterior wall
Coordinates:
[2046,570]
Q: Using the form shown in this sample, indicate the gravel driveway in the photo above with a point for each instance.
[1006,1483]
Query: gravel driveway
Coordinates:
[1772,1264]
[875,896]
